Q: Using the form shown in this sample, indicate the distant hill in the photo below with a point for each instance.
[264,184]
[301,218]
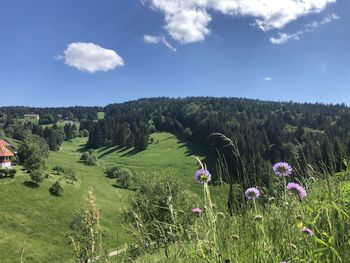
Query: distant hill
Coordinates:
[263,132]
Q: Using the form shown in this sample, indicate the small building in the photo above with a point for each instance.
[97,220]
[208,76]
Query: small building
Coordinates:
[6,155]
[31,116]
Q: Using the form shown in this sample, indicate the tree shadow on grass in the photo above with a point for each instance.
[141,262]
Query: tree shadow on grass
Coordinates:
[30,184]
[82,148]
[111,150]
[121,187]
[6,177]
[131,152]
[196,149]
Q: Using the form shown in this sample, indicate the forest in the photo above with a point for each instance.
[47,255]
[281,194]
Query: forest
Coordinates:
[247,135]
[260,132]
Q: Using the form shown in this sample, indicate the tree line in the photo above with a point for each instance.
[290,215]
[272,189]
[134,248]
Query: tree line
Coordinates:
[244,135]
[256,133]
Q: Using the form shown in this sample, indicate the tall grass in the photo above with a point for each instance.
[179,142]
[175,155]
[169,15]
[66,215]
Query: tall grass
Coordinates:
[267,229]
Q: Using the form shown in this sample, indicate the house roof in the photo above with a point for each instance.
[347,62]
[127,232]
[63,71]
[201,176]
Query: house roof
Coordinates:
[31,114]
[4,143]
[4,152]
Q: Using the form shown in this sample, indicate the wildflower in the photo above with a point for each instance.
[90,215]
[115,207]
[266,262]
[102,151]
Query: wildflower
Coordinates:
[297,189]
[258,218]
[197,211]
[252,193]
[282,169]
[307,231]
[202,176]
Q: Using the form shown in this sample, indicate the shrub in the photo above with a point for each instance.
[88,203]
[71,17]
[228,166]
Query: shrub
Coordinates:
[125,178]
[37,176]
[114,172]
[84,156]
[59,169]
[89,158]
[8,173]
[70,173]
[56,189]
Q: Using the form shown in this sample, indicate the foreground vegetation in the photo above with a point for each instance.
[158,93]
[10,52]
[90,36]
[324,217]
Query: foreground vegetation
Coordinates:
[293,226]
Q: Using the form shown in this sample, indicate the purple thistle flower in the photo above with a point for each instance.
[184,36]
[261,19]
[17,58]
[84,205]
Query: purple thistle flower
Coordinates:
[197,211]
[297,189]
[282,169]
[202,175]
[252,193]
[307,231]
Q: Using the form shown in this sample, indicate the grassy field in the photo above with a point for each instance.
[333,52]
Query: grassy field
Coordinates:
[34,220]
[61,123]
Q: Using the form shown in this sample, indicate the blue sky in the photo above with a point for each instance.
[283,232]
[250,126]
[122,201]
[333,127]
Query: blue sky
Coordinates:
[60,52]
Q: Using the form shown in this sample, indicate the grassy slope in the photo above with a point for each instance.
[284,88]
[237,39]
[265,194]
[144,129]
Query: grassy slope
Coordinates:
[60,123]
[37,221]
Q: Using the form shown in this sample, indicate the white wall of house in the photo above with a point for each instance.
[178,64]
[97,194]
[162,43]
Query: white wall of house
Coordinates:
[5,165]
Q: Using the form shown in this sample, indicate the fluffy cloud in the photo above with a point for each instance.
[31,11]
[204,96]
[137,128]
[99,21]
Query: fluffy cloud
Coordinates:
[187,21]
[283,38]
[188,26]
[158,39]
[90,57]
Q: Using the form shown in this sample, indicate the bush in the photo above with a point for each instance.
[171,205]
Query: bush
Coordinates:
[59,170]
[84,156]
[114,172]
[89,158]
[125,178]
[56,189]
[8,173]
[123,175]
[37,176]
[70,173]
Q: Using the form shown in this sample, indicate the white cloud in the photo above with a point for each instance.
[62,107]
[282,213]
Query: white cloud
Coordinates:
[149,39]
[188,26]
[283,38]
[267,79]
[187,21]
[90,57]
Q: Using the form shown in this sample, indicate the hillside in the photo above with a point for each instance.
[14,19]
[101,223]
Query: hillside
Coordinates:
[34,220]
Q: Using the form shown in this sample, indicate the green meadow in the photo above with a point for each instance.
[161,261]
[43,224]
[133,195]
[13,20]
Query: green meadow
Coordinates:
[35,222]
